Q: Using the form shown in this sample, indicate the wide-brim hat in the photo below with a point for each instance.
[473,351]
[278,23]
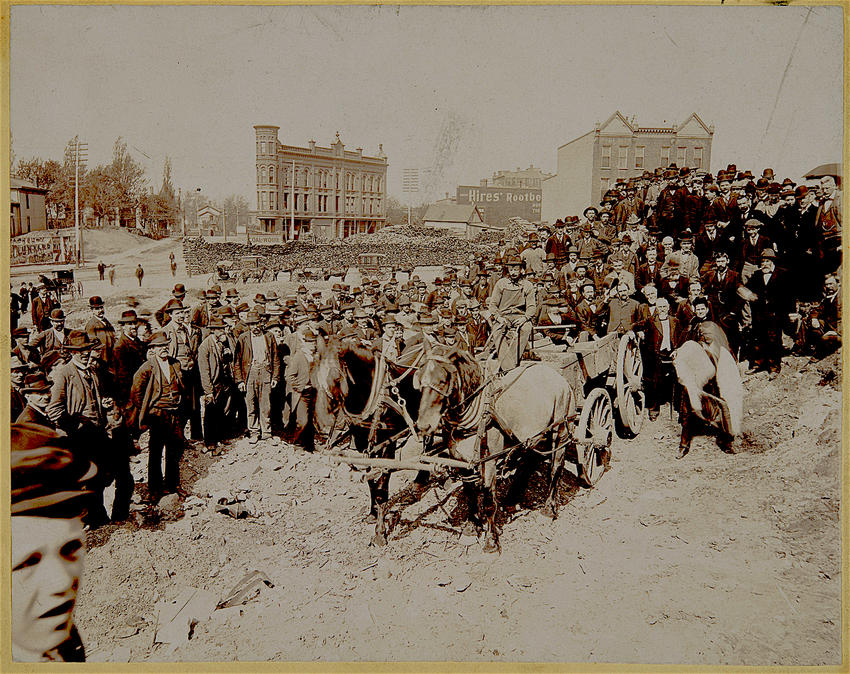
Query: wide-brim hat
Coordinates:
[216,323]
[179,290]
[513,261]
[242,306]
[633,220]
[752,223]
[298,319]
[571,220]
[128,316]
[588,282]
[57,315]
[159,339]
[77,340]
[252,318]
[16,363]
[227,311]
[768,254]
[231,292]
[20,332]
[36,383]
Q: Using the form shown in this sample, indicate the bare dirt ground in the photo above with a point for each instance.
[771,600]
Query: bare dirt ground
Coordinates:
[714,559]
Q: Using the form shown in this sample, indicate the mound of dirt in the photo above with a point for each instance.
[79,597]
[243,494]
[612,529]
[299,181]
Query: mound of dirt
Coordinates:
[716,559]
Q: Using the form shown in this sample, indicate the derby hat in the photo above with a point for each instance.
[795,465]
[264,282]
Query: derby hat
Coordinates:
[95,302]
[179,291]
[768,254]
[57,315]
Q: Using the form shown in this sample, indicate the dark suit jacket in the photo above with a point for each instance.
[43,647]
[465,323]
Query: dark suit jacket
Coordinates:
[774,301]
[103,332]
[128,355]
[244,355]
[45,341]
[147,390]
[40,311]
[31,415]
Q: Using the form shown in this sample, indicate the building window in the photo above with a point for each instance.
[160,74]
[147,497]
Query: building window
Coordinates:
[665,156]
[336,210]
[606,156]
[271,174]
[259,202]
[640,150]
[265,205]
[285,201]
[272,200]
[28,217]
[624,157]
[698,157]
[262,147]
[28,204]
[680,157]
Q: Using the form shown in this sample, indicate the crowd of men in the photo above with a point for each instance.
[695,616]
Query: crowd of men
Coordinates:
[661,254]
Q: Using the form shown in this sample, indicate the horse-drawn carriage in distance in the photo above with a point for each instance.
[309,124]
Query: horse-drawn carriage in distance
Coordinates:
[61,282]
[246,268]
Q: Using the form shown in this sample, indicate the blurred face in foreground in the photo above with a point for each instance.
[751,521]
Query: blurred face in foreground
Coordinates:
[47,562]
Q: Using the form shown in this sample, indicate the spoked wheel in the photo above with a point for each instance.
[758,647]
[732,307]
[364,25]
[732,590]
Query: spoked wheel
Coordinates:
[594,435]
[629,378]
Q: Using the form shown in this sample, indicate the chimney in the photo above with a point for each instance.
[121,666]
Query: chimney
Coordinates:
[483,182]
[312,144]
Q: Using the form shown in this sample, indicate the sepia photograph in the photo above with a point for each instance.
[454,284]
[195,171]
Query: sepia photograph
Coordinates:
[433,337]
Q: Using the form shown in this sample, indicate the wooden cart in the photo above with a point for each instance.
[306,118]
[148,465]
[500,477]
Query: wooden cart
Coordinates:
[606,375]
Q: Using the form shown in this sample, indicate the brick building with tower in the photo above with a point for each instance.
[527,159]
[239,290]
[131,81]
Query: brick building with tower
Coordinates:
[620,148]
[330,192]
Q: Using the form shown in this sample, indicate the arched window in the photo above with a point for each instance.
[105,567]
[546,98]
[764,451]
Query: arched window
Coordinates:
[263,177]
[271,174]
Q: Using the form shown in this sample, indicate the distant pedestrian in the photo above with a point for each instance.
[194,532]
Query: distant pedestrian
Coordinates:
[173,267]
[112,276]
[140,273]
[101,268]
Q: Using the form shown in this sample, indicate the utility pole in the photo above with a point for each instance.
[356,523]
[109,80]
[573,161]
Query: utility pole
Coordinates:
[78,153]
[224,219]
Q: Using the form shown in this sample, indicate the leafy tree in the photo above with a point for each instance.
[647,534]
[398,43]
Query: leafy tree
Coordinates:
[127,176]
[235,205]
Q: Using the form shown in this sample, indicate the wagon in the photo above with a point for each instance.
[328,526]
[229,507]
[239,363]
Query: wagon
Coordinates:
[62,283]
[606,376]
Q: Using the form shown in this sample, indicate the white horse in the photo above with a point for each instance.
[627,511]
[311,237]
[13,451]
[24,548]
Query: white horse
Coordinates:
[713,390]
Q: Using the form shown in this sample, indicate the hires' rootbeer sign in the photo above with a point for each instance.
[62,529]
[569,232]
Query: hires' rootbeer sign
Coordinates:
[499,204]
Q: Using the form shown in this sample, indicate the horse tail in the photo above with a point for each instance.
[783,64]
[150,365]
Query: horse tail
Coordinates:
[731,389]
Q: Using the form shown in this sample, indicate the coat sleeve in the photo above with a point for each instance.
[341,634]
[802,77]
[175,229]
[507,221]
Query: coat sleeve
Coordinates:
[238,358]
[204,353]
[58,393]
[274,358]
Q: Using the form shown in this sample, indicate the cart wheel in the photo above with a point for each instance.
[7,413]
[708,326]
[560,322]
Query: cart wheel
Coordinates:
[630,397]
[79,287]
[594,435]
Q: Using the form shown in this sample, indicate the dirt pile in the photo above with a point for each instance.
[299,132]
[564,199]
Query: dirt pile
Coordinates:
[714,559]
[405,247]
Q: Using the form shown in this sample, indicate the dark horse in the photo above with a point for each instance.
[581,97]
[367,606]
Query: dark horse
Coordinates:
[372,395]
[530,404]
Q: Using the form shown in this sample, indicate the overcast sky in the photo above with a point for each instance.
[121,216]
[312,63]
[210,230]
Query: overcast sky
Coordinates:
[463,91]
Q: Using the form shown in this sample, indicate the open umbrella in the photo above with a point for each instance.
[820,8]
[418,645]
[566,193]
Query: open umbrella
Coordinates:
[824,170]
